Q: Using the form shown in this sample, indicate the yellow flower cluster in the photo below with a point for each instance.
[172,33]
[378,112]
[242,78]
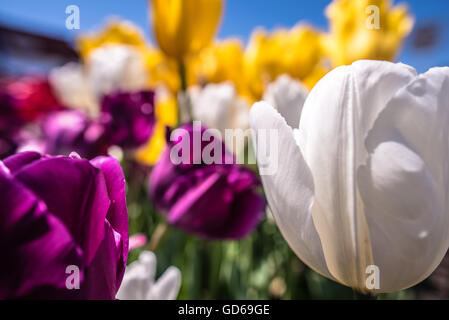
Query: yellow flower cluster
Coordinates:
[185,29]
[354,37]
[296,52]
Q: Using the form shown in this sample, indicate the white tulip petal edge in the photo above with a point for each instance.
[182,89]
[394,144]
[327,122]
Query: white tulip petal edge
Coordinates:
[287,95]
[138,282]
[364,180]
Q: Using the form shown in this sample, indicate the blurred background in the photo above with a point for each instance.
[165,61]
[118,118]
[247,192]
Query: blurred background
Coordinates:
[34,40]
[427,46]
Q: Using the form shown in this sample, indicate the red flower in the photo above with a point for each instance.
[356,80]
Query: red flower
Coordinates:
[32,96]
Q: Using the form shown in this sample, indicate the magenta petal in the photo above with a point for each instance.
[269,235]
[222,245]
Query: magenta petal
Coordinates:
[197,211]
[36,247]
[75,192]
[137,240]
[101,276]
[19,160]
[250,208]
[128,117]
[117,215]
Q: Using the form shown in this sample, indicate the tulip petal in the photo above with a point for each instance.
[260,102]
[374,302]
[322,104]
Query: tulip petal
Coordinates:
[334,119]
[404,184]
[75,192]
[36,247]
[290,190]
[117,215]
[101,276]
[185,27]
[139,278]
[190,211]
[287,96]
[167,286]
[19,160]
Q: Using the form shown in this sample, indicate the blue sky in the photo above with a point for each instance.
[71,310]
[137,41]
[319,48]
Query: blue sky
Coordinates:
[241,16]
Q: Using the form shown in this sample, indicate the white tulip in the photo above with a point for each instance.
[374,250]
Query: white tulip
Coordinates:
[69,83]
[112,67]
[219,107]
[138,282]
[287,95]
[364,180]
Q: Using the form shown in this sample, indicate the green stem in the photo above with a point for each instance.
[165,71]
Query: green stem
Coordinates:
[361,296]
[157,236]
[183,79]
[183,76]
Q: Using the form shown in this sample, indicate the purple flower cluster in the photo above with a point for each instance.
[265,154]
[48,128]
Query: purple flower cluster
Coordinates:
[126,120]
[62,213]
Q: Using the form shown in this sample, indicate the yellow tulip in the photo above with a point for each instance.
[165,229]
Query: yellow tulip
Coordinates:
[184,27]
[353,36]
[162,70]
[119,32]
[295,52]
[220,62]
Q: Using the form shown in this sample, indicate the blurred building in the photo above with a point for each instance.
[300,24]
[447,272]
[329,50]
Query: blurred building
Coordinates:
[24,52]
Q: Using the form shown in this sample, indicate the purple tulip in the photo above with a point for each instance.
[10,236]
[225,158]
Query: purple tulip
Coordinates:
[216,201]
[57,212]
[67,131]
[128,118]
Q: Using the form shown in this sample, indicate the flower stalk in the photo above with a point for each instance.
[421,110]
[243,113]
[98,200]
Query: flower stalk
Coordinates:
[157,236]
[184,102]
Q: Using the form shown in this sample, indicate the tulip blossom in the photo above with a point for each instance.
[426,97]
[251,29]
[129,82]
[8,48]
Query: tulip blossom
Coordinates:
[220,62]
[137,240]
[218,106]
[128,118]
[61,215]
[296,52]
[107,69]
[217,200]
[115,31]
[32,96]
[287,96]
[185,27]
[61,133]
[67,131]
[70,85]
[139,284]
[115,67]
[364,29]
[362,183]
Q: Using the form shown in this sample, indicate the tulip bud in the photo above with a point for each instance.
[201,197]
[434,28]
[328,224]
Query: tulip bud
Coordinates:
[185,27]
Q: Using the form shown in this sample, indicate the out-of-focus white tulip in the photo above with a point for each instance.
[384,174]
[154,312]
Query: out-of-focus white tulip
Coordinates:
[364,180]
[112,67]
[69,83]
[287,95]
[219,107]
[138,282]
